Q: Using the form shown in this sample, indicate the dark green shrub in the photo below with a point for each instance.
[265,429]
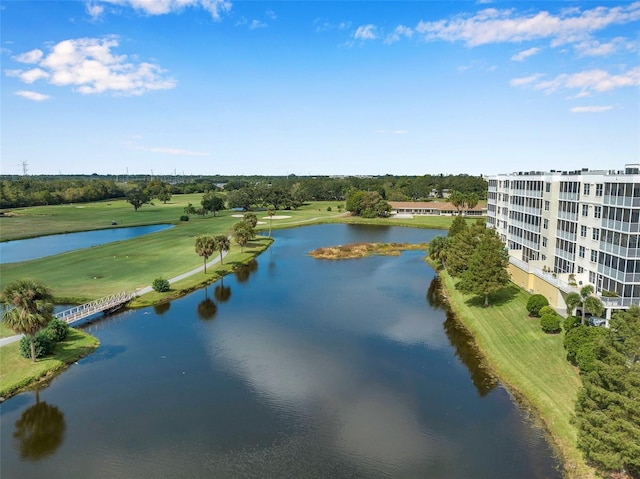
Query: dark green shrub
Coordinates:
[184,218]
[160,285]
[580,341]
[42,342]
[536,303]
[328,208]
[571,322]
[57,330]
[550,323]
[546,310]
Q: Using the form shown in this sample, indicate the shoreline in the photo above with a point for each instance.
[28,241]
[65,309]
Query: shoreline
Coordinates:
[572,464]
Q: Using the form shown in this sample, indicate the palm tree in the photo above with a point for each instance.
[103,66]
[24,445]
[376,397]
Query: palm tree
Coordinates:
[586,301]
[270,213]
[205,246]
[458,200]
[190,210]
[438,247]
[222,243]
[242,233]
[27,308]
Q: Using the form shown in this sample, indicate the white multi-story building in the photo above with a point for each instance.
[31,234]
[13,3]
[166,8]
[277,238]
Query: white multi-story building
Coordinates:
[567,229]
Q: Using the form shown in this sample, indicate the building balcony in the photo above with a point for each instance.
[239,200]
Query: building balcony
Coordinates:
[560,253]
[569,196]
[620,250]
[623,226]
[566,235]
[625,278]
[565,215]
[627,201]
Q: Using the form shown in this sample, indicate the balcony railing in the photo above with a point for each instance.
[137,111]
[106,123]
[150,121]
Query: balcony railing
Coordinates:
[569,196]
[624,226]
[621,276]
[565,215]
[620,250]
[609,200]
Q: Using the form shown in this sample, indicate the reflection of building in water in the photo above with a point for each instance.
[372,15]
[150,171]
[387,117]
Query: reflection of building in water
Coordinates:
[568,229]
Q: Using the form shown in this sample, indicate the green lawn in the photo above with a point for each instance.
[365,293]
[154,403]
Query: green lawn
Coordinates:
[530,362]
[16,372]
[91,273]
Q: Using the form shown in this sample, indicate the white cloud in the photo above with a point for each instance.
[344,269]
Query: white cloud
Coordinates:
[590,109]
[496,26]
[587,82]
[365,32]
[271,15]
[593,48]
[323,25]
[33,56]
[32,95]
[255,24]
[161,7]
[520,56]
[526,80]
[399,32]
[94,10]
[89,65]
[400,132]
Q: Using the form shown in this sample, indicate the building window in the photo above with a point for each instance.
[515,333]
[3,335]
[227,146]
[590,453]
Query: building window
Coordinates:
[547,187]
[546,206]
[586,189]
[594,256]
[544,241]
[597,211]
[583,231]
[592,277]
[596,234]
[580,269]
[545,224]
[585,210]
[599,189]
[581,251]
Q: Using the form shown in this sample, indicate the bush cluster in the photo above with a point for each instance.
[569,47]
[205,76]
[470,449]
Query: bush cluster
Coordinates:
[160,285]
[184,218]
[535,304]
[45,341]
[550,323]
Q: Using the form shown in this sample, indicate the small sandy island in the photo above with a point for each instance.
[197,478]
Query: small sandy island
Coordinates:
[362,250]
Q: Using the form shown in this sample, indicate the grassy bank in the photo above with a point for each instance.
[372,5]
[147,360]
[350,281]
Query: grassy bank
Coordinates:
[91,273]
[531,363]
[18,372]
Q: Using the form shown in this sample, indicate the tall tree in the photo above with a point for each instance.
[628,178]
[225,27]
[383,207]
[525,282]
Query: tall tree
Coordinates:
[190,210]
[438,247]
[487,270]
[205,247]
[242,233]
[457,225]
[457,199]
[461,248]
[27,308]
[585,300]
[251,218]
[212,202]
[137,197]
[222,244]
[471,200]
[608,405]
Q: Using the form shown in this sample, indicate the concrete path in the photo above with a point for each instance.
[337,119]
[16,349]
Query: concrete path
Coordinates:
[139,292]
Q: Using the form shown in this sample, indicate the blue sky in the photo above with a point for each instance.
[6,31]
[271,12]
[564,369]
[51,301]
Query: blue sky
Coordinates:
[315,87]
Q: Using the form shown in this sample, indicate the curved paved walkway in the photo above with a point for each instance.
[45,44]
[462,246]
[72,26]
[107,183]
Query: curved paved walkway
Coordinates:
[139,292]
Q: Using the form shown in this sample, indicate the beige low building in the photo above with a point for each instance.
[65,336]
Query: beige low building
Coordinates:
[418,208]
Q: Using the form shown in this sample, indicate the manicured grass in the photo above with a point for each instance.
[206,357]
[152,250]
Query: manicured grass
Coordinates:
[5,332]
[18,372]
[531,363]
[92,273]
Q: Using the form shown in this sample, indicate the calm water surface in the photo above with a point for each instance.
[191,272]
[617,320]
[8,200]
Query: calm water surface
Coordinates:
[33,248]
[293,368]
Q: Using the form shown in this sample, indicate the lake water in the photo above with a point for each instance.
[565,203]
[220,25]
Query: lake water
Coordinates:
[33,248]
[291,368]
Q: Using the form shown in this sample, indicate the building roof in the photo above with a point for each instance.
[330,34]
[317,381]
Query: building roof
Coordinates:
[431,205]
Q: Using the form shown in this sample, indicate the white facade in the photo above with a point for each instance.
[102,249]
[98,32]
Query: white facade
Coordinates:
[582,227]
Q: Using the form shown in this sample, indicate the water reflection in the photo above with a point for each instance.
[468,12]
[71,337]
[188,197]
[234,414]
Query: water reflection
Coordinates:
[40,430]
[244,271]
[221,292]
[207,309]
[463,341]
[161,308]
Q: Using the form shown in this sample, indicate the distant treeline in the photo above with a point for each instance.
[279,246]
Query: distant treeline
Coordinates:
[52,190]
